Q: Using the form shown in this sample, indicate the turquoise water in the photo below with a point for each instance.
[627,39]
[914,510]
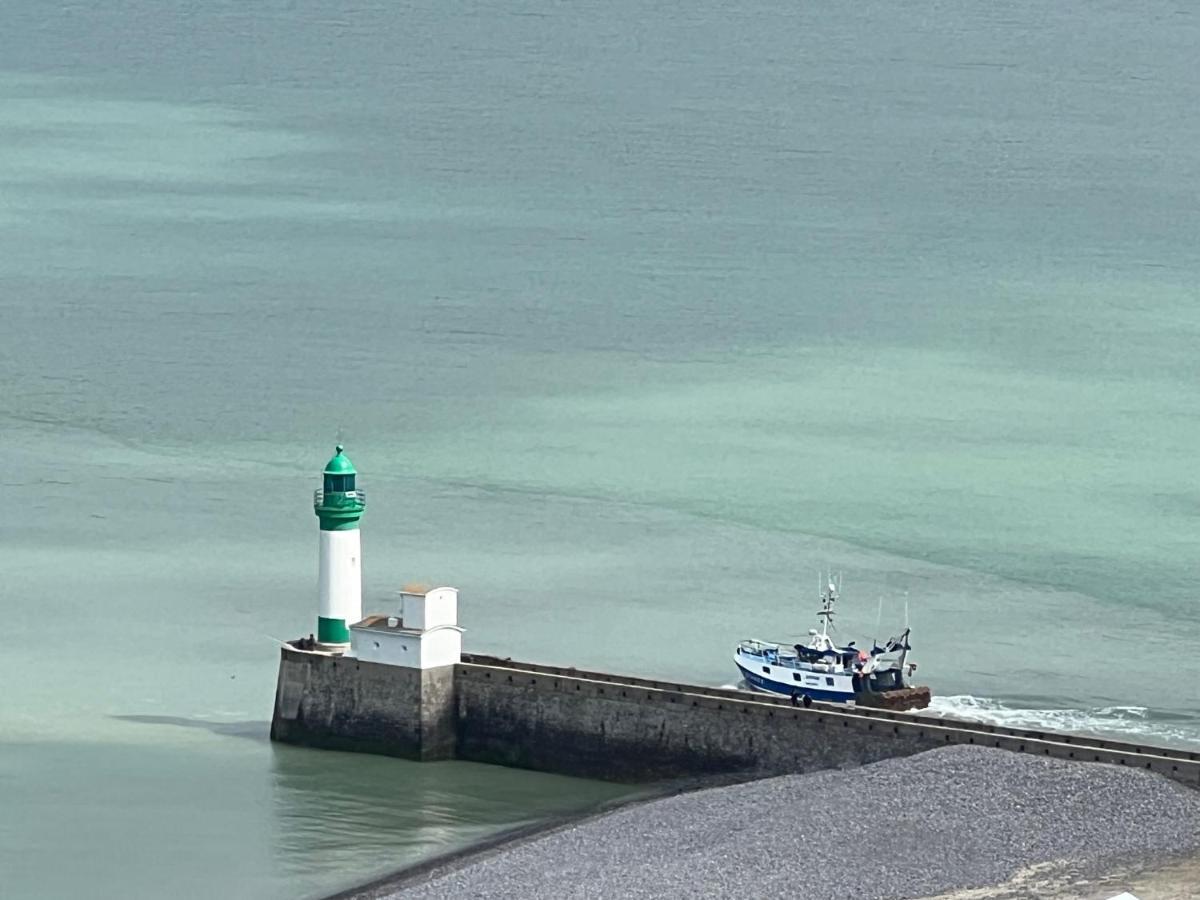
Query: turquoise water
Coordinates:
[632,320]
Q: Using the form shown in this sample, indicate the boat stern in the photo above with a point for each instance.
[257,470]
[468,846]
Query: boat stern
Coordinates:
[899,699]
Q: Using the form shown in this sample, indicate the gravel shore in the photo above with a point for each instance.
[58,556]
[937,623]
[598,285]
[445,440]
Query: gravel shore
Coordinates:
[948,820]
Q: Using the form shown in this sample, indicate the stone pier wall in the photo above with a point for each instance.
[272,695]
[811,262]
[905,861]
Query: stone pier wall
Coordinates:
[601,730]
[346,704]
[626,729]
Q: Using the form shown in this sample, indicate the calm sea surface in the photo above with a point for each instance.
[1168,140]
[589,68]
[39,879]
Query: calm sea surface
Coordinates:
[633,317]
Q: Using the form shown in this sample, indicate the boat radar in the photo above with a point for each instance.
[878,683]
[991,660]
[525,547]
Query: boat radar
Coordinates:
[339,505]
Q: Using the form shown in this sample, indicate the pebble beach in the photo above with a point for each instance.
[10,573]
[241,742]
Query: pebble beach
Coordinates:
[960,821]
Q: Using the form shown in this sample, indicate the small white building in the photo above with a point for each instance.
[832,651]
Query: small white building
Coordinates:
[424,635]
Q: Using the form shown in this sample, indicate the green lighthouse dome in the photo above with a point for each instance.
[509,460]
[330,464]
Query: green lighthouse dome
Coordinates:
[340,464]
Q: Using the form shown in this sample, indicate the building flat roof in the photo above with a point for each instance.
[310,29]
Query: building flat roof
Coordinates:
[380,623]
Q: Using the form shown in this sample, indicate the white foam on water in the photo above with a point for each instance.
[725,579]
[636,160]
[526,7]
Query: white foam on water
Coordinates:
[1120,722]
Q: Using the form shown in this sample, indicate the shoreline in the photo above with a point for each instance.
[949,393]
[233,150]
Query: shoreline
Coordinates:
[443,863]
[1171,876]
[1160,872]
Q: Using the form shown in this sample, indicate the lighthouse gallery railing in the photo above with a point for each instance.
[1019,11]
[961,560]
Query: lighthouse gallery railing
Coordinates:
[339,498]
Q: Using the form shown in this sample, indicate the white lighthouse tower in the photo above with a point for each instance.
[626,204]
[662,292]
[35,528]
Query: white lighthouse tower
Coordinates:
[339,505]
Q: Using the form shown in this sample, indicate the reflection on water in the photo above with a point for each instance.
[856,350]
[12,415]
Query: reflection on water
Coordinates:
[255,731]
[370,815]
[340,819]
[201,811]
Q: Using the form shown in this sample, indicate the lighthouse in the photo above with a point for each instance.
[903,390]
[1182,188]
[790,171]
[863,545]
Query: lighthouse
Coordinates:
[339,505]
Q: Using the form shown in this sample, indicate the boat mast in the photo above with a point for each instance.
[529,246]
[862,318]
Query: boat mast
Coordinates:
[904,640]
[828,595]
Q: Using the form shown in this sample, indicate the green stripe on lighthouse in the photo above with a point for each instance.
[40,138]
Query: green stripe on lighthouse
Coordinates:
[340,511]
[332,631]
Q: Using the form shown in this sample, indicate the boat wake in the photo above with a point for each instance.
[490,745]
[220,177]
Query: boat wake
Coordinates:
[1117,722]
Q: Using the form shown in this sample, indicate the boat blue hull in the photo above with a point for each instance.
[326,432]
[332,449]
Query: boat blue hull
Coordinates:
[759,683]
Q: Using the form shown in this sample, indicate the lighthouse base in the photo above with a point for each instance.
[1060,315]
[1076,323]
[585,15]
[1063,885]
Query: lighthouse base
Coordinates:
[334,649]
[342,703]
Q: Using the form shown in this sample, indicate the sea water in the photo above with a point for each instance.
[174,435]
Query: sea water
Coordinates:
[633,320]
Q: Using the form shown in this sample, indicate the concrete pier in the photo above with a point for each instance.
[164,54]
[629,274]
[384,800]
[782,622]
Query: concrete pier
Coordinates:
[600,725]
[341,703]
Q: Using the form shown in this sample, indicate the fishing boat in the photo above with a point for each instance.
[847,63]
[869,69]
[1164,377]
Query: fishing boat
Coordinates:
[821,670]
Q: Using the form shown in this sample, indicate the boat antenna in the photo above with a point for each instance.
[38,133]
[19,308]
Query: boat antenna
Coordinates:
[878,622]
